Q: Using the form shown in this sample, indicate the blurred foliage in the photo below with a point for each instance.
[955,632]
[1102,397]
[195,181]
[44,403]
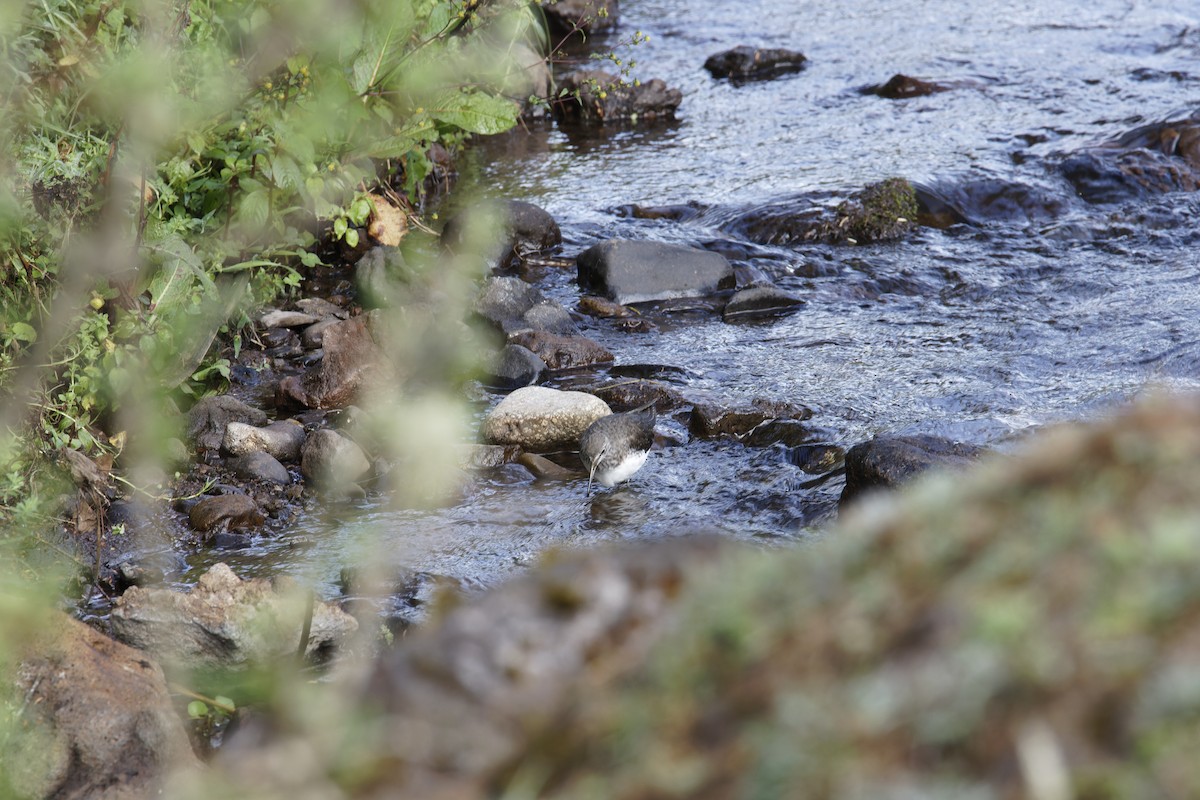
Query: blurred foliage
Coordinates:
[171,163]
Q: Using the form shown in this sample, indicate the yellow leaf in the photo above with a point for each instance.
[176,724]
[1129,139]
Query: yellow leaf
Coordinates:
[69,60]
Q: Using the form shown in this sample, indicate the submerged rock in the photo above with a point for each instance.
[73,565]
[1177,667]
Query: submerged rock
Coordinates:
[902,87]
[628,271]
[760,301]
[1151,159]
[226,622]
[889,461]
[710,420]
[745,63]
[96,720]
[540,419]
[598,97]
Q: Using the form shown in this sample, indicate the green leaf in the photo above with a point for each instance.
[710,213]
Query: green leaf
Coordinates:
[360,211]
[255,208]
[197,709]
[352,237]
[24,332]
[339,227]
[310,259]
[476,112]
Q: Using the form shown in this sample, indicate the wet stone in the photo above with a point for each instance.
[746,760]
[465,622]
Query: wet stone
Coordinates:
[286,319]
[516,366]
[903,87]
[886,462]
[226,511]
[628,395]
[282,439]
[629,271]
[602,98]
[710,420]
[816,458]
[758,302]
[603,308]
[260,466]
[512,306]
[745,63]
[564,352]
[332,461]
[486,456]
[541,419]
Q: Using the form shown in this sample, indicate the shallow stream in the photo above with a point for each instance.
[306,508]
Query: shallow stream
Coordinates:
[1042,308]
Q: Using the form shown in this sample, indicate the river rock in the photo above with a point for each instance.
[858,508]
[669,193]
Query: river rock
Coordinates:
[282,439]
[541,419]
[746,63]
[512,306]
[516,366]
[507,231]
[208,419]
[603,97]
[332,461]
[564,352]
[760,301]
[486,456]
[568,17]
[603,308]
[96,720]
[628,271]
[260,466]
[903,87]
[226,622]
[285,319]
[351,359]
[886,462]
[1148,160]
[627,395]
[320,308]
[225,512]
[313,337]
[710,420]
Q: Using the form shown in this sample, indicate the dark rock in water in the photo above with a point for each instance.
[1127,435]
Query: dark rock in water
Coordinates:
[210,416]
[96,720]
[628,395]
[225,512]
[603,97]
[351,358]
[544,468]
[260,466]
[747,63]
[760,301]
[787,432]
[710,420]
[603,308]
[902,87]
[816,458]
[884,211]
[1151,159]
[505,232]
[676,213]
[571,17]
[516,366]
[628,271]
[886,462]
[564,352]
[512,306]
[226,622]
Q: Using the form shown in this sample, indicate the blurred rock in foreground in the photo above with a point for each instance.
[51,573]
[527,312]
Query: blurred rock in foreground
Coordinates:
[1030,628]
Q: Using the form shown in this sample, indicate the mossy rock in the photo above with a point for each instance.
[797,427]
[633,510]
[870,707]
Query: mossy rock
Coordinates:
[881,212]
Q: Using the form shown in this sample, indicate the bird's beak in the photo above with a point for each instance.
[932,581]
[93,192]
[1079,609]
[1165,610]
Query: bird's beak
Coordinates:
[592,469]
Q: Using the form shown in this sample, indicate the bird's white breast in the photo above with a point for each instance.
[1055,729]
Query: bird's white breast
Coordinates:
[623,470]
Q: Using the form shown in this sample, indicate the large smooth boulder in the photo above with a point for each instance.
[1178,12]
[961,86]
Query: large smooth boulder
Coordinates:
[886,462]
[745,63]
[226,622]
[97,720]
[333,461]
[541,419]
[630,271]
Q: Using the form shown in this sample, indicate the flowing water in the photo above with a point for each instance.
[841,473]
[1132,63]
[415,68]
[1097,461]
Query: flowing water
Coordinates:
[1042,308]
